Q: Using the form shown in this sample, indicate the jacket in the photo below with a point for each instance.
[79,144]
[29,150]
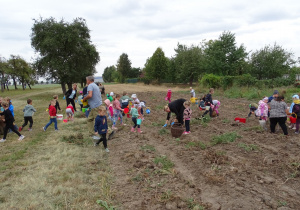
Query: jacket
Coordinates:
[9,118]
[262,110]
[187,114]
[52,111]
[101,124]
[176,107]
[134,112]
[208,100]
[70,107]
[69,92]
[28,110]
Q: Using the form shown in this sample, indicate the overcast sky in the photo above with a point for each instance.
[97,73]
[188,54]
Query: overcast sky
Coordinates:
[138,27]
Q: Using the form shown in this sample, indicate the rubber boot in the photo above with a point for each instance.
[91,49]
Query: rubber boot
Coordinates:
[132,129]
[139,130]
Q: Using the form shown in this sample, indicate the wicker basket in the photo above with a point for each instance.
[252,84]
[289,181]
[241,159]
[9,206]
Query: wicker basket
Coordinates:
[177,130]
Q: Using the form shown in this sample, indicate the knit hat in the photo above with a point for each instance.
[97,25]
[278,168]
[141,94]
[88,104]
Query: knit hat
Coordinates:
[111,94]
[133,96]
[275,92]
[295,97]
[107,102]
[265,99]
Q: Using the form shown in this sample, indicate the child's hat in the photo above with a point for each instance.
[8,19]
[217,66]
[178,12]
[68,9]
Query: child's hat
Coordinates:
[275,92]
[296,96]
[107,102]
[111,93]
[80,92]
[133,96]
[169,90]
[265,99]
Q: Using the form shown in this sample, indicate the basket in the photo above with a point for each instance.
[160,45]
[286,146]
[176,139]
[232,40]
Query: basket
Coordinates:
[214,114]
[59,117]
[177,130]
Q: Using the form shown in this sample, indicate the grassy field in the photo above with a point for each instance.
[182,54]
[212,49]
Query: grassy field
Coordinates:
[51,170]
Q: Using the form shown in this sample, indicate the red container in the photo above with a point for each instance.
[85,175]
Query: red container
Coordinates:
[293,119]
[242,120]
[126,110]
[128,115]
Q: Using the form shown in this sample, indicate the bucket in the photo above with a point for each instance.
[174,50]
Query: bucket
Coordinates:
[293,119]
[59,117]
[242,120]
[126,110]
[263,124]
[139,121]
[84,110]
[177,130]
[65,120]
[193,100]
[148,110]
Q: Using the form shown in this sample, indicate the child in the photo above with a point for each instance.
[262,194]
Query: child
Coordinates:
[9,120]
[101,127]
[109,97]
[295,97]
[11,108]
[117,110]
[192,91]
[109,110]
[187,116]
[202,103]
[28,113]
[143,105]
[85,103]
[1,108]
[296,112]
[70,112]
[80,97]
[208,103]
[125,100]
[253,107]
[52,113]
[135,115]
[168,97]
[57,107]
[216,106]
[262,112]
[136,102]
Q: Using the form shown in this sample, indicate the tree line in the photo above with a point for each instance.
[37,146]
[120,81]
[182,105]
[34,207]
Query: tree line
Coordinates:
[220,57]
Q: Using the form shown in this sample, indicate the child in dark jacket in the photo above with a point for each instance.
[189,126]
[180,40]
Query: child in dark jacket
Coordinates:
[9,120]
[52,113]
[209,103]
[101,127]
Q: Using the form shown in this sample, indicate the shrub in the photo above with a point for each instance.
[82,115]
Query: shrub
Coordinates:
[211,80]
[245,80]
[227,82]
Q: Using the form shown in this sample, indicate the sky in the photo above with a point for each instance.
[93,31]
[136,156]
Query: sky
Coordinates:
[139,27]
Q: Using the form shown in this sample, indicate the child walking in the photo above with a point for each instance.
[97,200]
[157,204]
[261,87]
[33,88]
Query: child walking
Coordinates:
[9,120]
[52,113]
[70,112]
[134,113]
[187,116]
[169,94]
[117,110]
[28,113]
[101,127]
[80,97]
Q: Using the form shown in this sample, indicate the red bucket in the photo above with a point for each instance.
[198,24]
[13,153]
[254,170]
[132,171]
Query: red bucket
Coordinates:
[128,115]
[242,120]
[126,110]
[293,119]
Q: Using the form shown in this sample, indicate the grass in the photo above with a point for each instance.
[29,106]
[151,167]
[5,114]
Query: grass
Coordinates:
[224,138]
[164,162]
[148,147]
[163,131]
[199,144]
[248,147]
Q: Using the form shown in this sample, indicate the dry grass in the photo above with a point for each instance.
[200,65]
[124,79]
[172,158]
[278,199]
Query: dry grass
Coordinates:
[43,172]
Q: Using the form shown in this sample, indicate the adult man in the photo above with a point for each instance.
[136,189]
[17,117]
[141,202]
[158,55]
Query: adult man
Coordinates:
[94,99]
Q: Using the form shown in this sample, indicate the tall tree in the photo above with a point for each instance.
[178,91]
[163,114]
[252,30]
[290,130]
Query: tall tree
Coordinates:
[188,62]
[65,51]
[156,67]
[271,62]
[4,73]
[108,74]
[224,57]
[123,67]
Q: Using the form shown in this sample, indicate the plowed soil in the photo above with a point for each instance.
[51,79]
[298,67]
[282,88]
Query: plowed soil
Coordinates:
[154,170]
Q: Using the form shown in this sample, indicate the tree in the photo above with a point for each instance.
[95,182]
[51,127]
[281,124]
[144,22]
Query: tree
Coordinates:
[65,51]
[3,73]
[188,63]
[134,73]
[271,62]
[109,73]
[123,67]
[156,67]
[223,57]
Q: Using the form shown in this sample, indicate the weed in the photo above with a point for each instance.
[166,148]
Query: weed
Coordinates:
[166,195]
[282,203]
[224,138]
[105,205]
[225,120]
[163,131]
[148,148]
[159,107]
[164,161]
[193,205]
[74,139]
[199,144]
[248,147]
[254,128]
[137,178]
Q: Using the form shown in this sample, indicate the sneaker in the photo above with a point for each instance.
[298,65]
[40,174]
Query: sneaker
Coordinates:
[96,137]
[106,150]
[20,128]
[111,135]
[44,129]
[21,138]
[185,132]
[29,129]
[56,130]
[2,140]
[95,144]
[297,132]
[294,128]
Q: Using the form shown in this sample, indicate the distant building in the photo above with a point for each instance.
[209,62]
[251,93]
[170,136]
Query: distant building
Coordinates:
[98,79]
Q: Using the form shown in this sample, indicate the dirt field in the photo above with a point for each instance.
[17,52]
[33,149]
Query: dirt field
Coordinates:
[153,170]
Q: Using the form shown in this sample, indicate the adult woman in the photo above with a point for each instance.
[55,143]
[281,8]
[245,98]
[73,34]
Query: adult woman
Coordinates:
[71,95]
[278,114]
[177,108]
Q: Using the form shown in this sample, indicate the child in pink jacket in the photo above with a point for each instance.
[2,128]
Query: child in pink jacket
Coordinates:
[117,110]
[168,97]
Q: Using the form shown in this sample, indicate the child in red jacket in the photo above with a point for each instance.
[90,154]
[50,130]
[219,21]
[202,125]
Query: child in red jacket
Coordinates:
[70,112]
[168,97]
[52,113]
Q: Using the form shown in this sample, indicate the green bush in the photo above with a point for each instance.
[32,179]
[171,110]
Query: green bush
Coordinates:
[211,80]
[245,80]
[227,82]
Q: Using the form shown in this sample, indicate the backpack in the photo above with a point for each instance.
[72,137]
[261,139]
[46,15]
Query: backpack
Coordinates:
[124,103]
